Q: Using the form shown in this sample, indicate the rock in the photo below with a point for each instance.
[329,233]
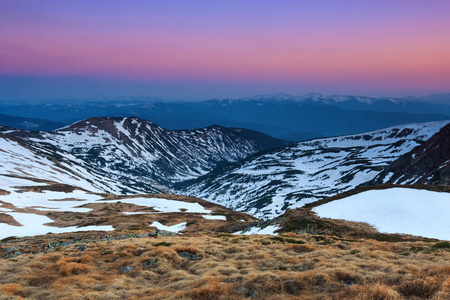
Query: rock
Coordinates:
[348,283]
[82,247]
[125,269]
[149,263]
[248,293]
[165,233]
[107,238]
[189,255]
[17,253]
[152,234]
[12,249]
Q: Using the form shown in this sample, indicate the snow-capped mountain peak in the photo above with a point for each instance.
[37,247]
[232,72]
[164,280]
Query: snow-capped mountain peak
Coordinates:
[145,156]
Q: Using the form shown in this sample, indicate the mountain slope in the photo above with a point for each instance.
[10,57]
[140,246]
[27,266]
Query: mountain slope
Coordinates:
[45,162]
[427,163]
[267,185]
[145,157]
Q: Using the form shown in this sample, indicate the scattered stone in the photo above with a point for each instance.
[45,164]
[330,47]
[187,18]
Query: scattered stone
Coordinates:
[82,247]
[348,283]
[165,233]
[12,249]
[17,253]
[189,255]
[246,292]
[80,242]
[148,264]
[252,294]
[125,269]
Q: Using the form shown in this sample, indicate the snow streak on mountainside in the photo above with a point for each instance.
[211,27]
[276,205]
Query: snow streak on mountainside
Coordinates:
[269,184]
[141,156]
[45,162]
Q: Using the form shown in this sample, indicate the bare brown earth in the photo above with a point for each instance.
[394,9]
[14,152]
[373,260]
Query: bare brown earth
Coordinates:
[3,192]
[290,266]
[5,218]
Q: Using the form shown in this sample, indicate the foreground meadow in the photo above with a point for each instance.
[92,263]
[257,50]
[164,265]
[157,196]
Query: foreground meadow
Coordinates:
[224,266]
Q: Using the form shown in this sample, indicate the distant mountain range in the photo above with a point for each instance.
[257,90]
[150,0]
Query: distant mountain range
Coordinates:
[280,115]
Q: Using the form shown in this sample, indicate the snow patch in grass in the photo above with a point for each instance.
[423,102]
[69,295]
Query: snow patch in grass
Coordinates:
[174,228]
[45,201]
[165,205]
[269,230]
[214,217]
[33,224]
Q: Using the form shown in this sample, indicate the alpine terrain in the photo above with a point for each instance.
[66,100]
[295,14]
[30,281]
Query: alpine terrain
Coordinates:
[137,154]
[427,163]
[268,184]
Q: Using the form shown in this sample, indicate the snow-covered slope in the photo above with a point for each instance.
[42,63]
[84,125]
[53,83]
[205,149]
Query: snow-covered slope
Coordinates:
[269,184]
[138,155]
[397,210]
[20,158]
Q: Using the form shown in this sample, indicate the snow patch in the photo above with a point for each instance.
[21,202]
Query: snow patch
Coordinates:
[269,230]
[174,228]
[396,210]
[33,224]
[208,217]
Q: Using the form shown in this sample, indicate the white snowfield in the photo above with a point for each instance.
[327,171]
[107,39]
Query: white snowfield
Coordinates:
[34,224]
[396,210]
[174,228]
[163,205]
[215,217]
[269,230]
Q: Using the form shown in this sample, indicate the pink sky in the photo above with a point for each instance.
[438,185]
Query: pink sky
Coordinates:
[359,45]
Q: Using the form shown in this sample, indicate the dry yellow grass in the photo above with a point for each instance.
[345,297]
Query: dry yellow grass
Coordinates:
[232,267]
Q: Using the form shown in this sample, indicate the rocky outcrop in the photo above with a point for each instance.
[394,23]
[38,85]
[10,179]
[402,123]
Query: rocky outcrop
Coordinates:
[428,163]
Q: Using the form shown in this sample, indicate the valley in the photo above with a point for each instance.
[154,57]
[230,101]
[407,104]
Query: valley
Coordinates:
[114,208]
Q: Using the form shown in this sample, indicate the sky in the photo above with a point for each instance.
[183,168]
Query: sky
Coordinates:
[193,49]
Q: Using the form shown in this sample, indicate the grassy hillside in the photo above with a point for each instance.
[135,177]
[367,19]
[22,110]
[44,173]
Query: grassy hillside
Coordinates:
[223,266]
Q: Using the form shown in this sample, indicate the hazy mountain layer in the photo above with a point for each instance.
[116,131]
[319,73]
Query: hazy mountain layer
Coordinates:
[280,115]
